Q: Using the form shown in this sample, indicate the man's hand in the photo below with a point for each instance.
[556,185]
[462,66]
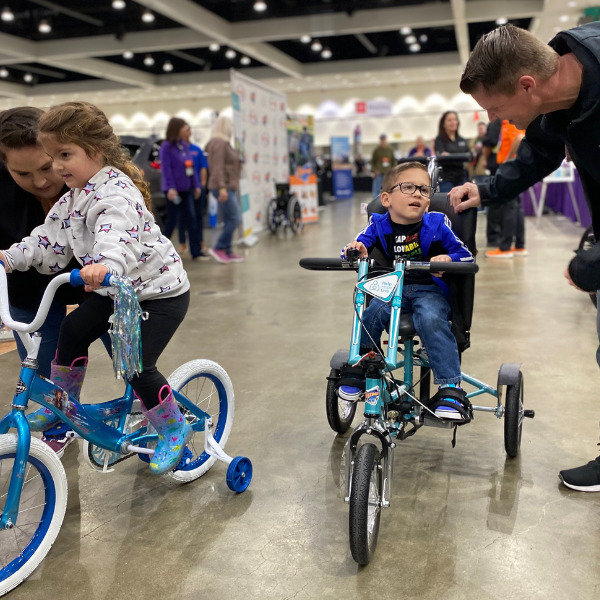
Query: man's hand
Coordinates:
[468,190]
[93,275]
[359,246]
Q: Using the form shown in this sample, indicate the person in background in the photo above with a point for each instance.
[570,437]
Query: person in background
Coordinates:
[478,163]
[29,188]
[201,167]
[420,149]
[382,160]
[449,141]
[493,211]
[181,185]
[550,90]
[512,222]
[224,169]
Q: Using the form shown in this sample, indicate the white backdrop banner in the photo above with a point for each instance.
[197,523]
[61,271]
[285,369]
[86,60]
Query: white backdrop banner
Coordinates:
[259,123]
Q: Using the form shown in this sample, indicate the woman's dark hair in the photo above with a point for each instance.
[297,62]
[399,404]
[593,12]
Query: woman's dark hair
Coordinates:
[18,128]
[173,128]
[441,130]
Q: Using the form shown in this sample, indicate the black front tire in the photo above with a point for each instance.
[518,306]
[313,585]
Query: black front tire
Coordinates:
[365,503]
[513,417]
[340,413]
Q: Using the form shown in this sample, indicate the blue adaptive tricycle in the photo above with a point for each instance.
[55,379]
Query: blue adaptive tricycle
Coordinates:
[394,408]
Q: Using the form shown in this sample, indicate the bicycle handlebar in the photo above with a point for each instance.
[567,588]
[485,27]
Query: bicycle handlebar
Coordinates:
[337,264]
[74,278]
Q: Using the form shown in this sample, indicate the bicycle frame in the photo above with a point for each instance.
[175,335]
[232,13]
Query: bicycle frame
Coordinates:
[377,393]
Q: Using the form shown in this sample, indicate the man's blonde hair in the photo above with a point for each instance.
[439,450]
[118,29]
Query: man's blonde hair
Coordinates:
[504,55]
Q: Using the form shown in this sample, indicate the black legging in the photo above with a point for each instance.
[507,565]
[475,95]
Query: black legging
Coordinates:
[90,320]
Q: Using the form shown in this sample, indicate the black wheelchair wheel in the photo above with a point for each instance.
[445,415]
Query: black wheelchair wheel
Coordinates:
[295,214]
[272,215]
[588,239]
[340,413]
[365,503]
[514,409]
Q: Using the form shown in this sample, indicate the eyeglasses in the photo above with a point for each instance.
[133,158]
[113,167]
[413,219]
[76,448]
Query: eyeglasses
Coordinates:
[410,188]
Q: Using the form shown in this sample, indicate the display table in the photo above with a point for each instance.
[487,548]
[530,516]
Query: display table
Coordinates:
[565,198]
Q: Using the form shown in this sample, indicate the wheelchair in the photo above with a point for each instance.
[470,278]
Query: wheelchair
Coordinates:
[396,403]
[284,212]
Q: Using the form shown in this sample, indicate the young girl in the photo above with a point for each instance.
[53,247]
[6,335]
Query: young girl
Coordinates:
[104,224]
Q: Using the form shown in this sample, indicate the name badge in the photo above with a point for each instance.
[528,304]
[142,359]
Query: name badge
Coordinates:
[189,167]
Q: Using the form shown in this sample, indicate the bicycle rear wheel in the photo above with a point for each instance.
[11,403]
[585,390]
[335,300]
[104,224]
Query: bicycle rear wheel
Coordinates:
[207,386]
[41,510]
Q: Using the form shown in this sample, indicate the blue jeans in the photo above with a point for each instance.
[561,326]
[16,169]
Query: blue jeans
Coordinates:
[184,216]
[377,183]
[49,331]
[232,219]
[431,315]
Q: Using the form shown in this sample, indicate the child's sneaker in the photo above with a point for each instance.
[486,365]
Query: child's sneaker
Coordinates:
[349,393]
[445,412]
[233,257]
[499,253]
[58,443]
[220,255]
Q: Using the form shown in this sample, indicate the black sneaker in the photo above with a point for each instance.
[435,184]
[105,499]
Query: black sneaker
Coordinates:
[583,479]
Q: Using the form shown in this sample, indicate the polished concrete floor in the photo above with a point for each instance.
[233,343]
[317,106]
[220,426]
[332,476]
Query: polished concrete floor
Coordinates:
[465,523]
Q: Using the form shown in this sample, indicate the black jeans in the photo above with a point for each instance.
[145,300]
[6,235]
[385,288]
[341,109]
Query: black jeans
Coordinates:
[513,224]
[90,320]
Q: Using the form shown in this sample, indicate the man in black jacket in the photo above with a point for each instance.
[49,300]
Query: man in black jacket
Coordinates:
[552,91]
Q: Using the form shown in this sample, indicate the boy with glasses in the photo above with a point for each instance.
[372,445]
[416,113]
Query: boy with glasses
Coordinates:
[408,232]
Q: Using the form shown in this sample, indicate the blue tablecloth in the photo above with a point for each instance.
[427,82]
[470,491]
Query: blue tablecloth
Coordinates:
[558,199]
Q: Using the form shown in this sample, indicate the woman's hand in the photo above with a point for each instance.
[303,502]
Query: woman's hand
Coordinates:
[440,258]
[93,275]
[223,195]
[359,246]
[171,194]
[197,192]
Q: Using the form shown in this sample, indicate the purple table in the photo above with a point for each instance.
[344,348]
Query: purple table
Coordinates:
[558,198]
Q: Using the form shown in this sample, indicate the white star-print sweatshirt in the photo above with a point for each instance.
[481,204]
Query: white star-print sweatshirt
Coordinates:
[105,222]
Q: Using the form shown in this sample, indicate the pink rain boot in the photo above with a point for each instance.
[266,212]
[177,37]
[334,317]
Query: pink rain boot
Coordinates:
[173,432]
[69,379]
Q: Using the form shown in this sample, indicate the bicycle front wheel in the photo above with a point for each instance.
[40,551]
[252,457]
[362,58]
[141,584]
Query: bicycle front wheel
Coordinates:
[41,510]
[207,386]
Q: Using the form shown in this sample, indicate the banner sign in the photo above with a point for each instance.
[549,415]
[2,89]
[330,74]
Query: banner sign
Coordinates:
[341,169]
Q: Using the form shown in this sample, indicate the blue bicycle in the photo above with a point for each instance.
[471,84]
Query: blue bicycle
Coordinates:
[33,484]
[395,408]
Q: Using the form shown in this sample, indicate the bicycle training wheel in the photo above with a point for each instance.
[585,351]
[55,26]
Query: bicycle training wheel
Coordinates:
[41,510]
[207,386]
[340,413]
[514,412]
[365,503]
[295,214]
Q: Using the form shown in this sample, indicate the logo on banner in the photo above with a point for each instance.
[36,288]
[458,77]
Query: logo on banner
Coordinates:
[253,117]
[382,287]
[256,177]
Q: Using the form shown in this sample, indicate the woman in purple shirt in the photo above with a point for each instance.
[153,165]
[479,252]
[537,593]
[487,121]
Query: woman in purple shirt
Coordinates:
[181,186]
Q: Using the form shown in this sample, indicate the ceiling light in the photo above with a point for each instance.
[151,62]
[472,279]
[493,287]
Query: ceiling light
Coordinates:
[245,60]
[410,39]
[326,53]
[148,60]
[118,4]
[4,72]
[28,78]
[564,18]
[405,30]
[128,55]
[316,46]
[230,54]
[214,47]
[305,39]
[501,21]
[423,38]
[44,26]
[260,6]
[147,16]
[414,47]
[167,66]
[7,14]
